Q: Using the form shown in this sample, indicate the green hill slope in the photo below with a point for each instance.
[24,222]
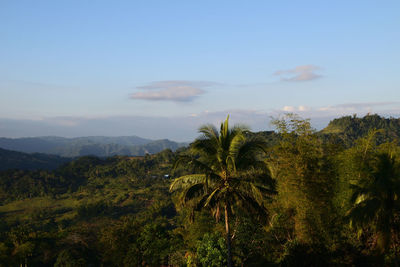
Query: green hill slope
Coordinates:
[23,161]
[349,128]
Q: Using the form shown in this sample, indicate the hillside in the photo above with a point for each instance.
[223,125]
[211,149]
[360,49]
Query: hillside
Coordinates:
[93,145]
[120,210]
[23,161]
[349,128]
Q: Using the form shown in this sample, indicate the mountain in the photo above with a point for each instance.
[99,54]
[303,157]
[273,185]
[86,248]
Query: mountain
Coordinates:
[23,161]
[100,146]
[349,128]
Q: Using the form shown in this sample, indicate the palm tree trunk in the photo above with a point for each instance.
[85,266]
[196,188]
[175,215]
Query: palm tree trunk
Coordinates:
[228,236]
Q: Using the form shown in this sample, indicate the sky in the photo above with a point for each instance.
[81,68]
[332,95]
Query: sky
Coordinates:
[160,69]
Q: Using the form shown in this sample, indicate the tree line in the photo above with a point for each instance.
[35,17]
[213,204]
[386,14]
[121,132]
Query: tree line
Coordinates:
[296,197]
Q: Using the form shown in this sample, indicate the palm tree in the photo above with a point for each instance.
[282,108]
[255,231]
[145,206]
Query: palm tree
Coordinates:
[376,200]
[232,171]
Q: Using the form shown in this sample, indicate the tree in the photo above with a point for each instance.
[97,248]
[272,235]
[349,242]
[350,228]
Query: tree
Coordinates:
[210,251]
[376,200]
[232,174]
[302,167]
[155,242]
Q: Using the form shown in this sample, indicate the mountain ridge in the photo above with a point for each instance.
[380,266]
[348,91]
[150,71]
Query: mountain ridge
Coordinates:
[349,128]
[101,146]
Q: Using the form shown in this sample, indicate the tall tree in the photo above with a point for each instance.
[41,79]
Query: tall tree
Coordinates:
[376,198]
[232,173]
[301,165]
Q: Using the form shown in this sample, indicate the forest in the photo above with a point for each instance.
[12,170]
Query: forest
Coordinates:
[290,197]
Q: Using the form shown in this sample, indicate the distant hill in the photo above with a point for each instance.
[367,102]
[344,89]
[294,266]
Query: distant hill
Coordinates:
[349,128]
[345,130]
[23,161]
[100,146]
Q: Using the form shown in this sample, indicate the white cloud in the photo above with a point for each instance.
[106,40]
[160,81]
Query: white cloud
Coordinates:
[299,73]
[288,108]
[295,109]
[303,108]
[180,91]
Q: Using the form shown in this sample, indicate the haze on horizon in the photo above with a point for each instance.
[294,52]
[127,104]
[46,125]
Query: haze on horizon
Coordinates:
[159,69]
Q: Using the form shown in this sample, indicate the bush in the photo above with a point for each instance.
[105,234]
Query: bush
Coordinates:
[211,251]
[301,254]
[93,209]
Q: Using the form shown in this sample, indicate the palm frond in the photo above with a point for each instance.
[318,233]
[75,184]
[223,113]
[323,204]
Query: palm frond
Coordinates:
[364,212]
[209,132]
[235,145]
[192,162]
[211,197]
[184,181]
[244,129]
[225,128]
[181,159]
[193,191]
[250,204]
[234,171]
[204,147]
[249,154]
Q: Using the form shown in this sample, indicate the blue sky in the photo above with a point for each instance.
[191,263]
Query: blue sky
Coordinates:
[159,69]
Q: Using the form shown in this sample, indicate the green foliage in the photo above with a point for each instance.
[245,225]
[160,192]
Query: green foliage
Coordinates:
[67,258]
[233,171]
[4,254]
[119,211]
[211,250]
[154,241]
[251,242]
[94,209]
[375,198]
[233,174]
[301,254]
[350,128]
[305,178]
[23,161]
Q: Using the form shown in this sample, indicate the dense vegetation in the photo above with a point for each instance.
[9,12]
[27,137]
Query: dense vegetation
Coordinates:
[24,161]
[349,128]
[293,198]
